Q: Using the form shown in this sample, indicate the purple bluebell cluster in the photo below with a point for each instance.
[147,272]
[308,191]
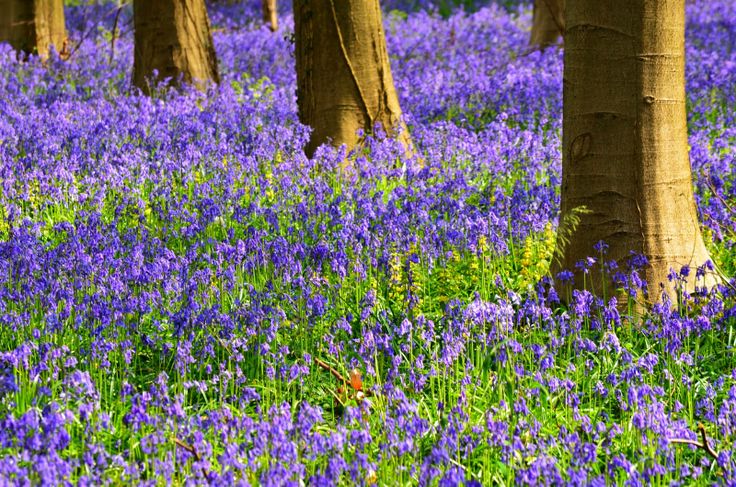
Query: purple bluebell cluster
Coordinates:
[185,298]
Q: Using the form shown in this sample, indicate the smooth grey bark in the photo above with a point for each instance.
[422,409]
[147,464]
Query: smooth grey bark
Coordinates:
[344,80]
[548,22]
[625,149]
[173,37]
[33,26]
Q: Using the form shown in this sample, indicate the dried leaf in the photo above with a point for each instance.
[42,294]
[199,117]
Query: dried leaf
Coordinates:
[355,380]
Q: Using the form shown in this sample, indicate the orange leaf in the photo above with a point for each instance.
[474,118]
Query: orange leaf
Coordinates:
[355,381]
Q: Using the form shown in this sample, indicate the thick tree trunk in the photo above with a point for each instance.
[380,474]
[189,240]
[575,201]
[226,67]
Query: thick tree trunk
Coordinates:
[344,78]
[33,26]
[625,148]
[173,37]
[548,22]
[270,14]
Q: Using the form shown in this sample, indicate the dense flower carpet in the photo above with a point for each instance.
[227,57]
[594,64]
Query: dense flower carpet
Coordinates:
[185,298]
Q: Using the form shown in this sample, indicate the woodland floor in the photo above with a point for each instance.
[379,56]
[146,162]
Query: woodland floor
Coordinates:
[185,298]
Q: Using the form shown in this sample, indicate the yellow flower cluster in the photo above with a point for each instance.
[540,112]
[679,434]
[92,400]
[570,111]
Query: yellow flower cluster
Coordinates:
[536,256]
[4,225]
[396,284]
[450,278]
[415,272]
[405,280]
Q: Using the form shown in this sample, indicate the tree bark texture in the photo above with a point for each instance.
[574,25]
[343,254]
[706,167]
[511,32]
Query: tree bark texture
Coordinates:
[173,37]
[344,80]
[548,22]
[270,14]
[625,147]
[33,26]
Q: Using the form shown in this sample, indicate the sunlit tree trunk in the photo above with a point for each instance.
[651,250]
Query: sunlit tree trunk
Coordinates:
[173,37]
[33,26]
[344,78]
[548,22]
[625,148]
[270,14]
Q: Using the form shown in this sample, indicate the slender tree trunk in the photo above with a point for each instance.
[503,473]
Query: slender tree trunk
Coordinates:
[548,23]
[173,37]
[33,26]
[625,148]
[344,78]
[270,14]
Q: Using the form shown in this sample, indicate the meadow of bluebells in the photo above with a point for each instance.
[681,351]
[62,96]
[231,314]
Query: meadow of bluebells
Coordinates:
[177,279]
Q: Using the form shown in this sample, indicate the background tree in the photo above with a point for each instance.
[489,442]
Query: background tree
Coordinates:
[33,26]
[625,148]
[344,80]
[548,22]
[270,14]
[173,37]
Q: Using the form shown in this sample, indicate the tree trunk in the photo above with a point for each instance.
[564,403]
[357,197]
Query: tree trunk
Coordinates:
[33,26]
[625,148]
[344,78]
[548,22]
[173,37]
[270,14]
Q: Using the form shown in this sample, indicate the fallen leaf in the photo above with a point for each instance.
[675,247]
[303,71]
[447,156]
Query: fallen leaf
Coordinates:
[355,381]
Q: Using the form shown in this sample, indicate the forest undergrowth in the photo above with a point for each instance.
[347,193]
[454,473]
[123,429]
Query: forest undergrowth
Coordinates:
[185,298]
